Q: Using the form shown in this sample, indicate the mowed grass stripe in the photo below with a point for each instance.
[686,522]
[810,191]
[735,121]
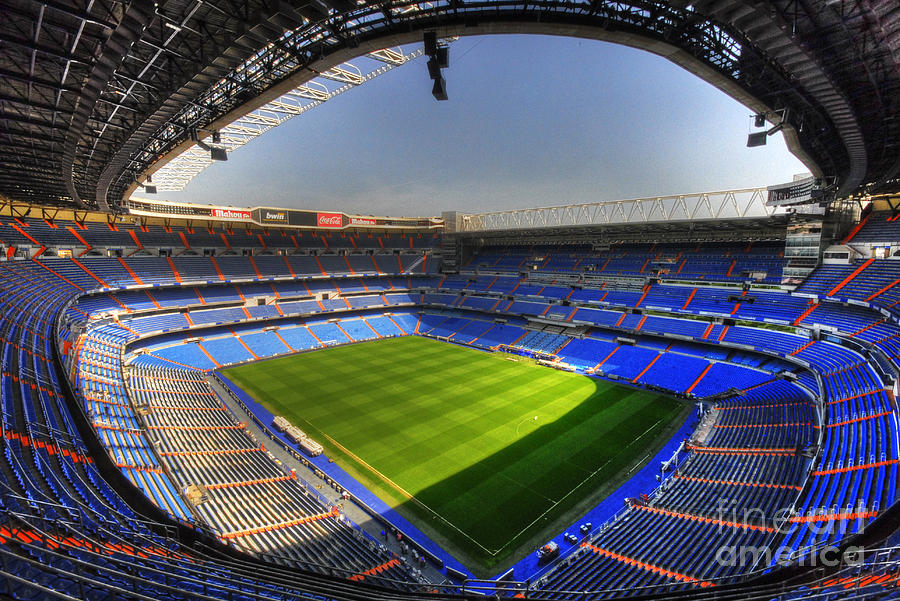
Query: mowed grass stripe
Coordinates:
[455,427]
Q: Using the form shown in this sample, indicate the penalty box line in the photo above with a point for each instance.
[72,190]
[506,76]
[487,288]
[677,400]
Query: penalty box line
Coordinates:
[409,496]
[575,488]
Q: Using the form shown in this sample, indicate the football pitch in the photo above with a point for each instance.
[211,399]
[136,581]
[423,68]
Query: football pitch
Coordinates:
[485,451]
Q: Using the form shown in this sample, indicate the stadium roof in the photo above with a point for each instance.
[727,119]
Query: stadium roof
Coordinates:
[97,93]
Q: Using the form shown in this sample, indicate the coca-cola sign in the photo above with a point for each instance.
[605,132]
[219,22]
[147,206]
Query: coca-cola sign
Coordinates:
[231,214]
[329,220]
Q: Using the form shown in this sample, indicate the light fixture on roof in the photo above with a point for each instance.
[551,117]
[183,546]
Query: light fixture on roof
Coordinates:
[439,89]
[148,188]
[216,153]
[756,139]
[438,58]
[759,120]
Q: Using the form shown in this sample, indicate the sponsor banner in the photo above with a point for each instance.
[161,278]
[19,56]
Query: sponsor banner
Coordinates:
[273,216]
[363,221]
[330,220]
[231,214]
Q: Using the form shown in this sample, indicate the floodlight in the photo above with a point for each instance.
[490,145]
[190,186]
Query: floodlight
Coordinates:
[439,91]
[217,153]
[434,69]
[430,43]
[757,139]
[443,57]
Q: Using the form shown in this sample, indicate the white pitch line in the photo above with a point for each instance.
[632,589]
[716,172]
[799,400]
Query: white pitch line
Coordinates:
[409,496]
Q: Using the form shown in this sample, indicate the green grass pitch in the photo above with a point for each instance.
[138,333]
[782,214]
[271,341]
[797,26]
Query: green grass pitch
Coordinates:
[485,451]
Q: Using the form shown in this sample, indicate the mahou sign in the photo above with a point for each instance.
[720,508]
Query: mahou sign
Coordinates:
[329,220]
[231,214]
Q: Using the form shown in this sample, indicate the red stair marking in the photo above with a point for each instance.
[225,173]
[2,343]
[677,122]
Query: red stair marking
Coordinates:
[644,266]
[281,525]
[255,268]
[249,350]
[319,263]
[856,229]
[397,324]
[885,289]
[152,300]
[288,264]
[377,270]
[283,341]
[371,328]
[79,238]
[805,314]
[868,327]
[135,238]
[376,570]
[90,273]
[643,371]
[700,377]
[689,299]
[859,419]
[313,334]
[208,356]
[21,231]
[174,271]
[851,468]
[737,483]
[704,520]
[130,271]
[646,566]
[805,346]
[606,358]
[850,277]
[730,268]
[643,296]
[218,271]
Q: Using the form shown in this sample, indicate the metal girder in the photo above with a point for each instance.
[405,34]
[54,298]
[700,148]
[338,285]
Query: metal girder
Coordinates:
[176,174]
[139,75]
[728,204]
[718,42]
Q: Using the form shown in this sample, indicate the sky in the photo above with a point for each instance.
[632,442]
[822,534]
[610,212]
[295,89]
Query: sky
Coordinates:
[531,121]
